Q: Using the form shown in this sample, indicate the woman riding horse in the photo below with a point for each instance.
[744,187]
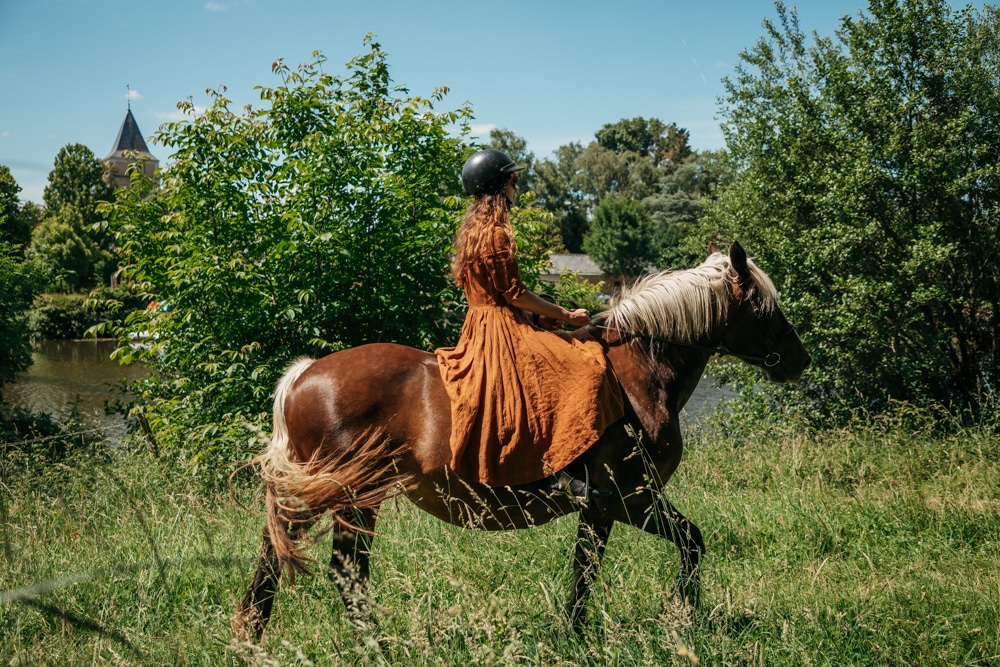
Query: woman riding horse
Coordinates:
[525,403]
[363,424]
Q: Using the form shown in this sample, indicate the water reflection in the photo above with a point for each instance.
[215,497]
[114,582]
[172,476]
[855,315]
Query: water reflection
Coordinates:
[68,373]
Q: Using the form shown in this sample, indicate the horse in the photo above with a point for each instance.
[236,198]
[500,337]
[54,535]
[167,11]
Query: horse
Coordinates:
[367,423]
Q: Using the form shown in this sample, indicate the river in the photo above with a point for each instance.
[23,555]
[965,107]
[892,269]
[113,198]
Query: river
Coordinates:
[74,373]
[81,373]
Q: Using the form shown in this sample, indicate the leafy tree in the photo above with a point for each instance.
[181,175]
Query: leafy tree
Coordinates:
[678,206]
[319,222]
[665,146]
[17,291]
[559,189]
[14,228]
[627,160]
[31,215]
[626,175]
[619,237]
[77,180]
[71,257]
[867,178]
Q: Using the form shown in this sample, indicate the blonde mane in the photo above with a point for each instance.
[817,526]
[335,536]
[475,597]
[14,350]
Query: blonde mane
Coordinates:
[684,305]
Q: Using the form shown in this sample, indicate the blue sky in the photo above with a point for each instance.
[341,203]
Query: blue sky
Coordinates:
[553,72]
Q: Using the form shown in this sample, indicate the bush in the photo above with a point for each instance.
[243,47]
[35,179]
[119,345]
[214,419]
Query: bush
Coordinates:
[866,180]
[69,316]
[321,222]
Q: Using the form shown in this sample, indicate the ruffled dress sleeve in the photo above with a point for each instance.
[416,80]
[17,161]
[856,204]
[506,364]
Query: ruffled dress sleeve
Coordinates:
[501,264]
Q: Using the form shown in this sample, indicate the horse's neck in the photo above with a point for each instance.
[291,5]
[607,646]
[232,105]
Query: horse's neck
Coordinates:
[656,375]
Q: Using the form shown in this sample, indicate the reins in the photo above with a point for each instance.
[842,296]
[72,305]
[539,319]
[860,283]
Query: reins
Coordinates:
[771,359]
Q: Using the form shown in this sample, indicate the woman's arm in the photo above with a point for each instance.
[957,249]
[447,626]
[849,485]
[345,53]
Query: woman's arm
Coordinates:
[533,303]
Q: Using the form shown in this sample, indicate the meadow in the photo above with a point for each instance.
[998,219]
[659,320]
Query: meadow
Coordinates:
[877,544]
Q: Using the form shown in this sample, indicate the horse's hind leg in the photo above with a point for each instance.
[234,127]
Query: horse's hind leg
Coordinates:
[591,540]
[254,610]
[349,568]
[669,523]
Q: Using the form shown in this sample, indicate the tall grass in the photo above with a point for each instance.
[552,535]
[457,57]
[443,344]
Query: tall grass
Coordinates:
[874,545]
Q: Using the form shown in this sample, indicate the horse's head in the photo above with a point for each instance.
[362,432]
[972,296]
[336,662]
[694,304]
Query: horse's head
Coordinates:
[727,305]
[756,330]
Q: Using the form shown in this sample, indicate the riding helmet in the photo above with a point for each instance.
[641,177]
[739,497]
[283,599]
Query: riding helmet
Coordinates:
[486,170]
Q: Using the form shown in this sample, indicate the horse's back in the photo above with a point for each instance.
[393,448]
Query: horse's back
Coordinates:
[343,395]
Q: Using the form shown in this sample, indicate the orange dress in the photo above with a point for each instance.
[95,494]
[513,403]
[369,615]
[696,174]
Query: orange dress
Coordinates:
[524,402]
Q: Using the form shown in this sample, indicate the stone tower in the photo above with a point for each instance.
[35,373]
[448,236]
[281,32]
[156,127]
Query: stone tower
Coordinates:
[129,141]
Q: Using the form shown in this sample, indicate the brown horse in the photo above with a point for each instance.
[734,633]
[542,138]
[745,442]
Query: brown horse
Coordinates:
[357,426]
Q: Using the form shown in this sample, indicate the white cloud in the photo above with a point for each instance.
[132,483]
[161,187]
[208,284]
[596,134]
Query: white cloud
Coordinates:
[5,133]
[133,95]
[481,129]
[215,6]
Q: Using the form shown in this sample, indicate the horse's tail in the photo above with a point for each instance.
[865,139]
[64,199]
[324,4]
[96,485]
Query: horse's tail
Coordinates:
[342,481]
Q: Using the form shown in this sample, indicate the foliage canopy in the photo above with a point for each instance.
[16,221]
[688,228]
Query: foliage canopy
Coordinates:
[320,222]
[867,179]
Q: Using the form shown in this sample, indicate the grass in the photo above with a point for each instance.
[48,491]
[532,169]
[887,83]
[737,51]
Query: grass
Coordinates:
[876,545]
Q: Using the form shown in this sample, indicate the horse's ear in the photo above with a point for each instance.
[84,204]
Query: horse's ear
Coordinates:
[712,248]
[738,258]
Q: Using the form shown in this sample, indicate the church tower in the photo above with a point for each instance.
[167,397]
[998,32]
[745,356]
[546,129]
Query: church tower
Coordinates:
[129,141]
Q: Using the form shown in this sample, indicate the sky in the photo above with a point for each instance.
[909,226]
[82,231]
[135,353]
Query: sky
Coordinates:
[554,72]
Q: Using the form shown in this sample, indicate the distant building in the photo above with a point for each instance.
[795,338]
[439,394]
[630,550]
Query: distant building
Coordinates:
[129,147]
[584,267]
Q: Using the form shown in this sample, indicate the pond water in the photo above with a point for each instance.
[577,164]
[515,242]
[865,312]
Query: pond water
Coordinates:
[68,374]
[81,374]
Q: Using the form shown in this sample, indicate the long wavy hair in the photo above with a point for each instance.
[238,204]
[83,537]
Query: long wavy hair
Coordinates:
[485,211]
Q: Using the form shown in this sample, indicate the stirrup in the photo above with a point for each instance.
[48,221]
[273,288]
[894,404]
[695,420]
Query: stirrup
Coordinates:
[578,490]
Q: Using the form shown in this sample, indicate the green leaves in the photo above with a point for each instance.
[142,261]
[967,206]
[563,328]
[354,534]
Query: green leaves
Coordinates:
[865,181]
[619,237]
[322,221]
[18,286]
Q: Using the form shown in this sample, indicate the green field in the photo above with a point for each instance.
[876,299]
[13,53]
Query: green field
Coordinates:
[873,545]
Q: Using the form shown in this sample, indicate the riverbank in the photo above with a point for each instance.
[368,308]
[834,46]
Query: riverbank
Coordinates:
[864,546]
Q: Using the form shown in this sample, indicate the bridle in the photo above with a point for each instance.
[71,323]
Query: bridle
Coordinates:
[770,359]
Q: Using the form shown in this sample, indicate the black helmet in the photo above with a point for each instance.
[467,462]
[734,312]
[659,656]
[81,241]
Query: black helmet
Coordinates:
[484,168]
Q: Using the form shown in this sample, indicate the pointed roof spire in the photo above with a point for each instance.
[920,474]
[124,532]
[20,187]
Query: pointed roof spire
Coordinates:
[129,138]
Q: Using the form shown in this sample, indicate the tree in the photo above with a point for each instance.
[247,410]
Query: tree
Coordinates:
[866,178]
[619,237]
[17,292]
[72,258]
[322,221]
[14,229]
[665,146]
[559,192]
[77,180]
[678,206]
[627,160]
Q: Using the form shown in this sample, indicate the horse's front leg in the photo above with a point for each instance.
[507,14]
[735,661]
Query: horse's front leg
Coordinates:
[664,520]
[591,540]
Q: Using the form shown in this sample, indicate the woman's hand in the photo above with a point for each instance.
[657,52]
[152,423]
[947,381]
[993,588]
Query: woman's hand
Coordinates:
[579,317]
